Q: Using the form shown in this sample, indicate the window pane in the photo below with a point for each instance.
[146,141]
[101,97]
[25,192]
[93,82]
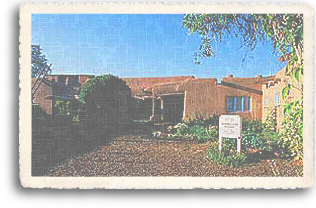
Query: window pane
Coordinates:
[277,99]
[239,104]
[246,104]
[230,104]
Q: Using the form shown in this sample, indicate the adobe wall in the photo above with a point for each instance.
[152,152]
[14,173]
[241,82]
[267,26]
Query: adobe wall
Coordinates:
[255,112]
[269,96]
[204,97]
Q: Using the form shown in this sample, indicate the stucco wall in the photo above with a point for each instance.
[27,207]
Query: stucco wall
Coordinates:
[206,98]
[42,92]
[202,98]
[269,96]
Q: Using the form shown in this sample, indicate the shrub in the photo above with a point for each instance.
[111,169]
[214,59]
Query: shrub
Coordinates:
[291,137]
[269,133]
[213,133]
[182,128]
[202,134]
[253,140]
[252,135]
[108,101]
[229,144]
[256,126]
[199,132]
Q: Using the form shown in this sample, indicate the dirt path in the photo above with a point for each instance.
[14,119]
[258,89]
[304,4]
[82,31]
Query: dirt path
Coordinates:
[133,156]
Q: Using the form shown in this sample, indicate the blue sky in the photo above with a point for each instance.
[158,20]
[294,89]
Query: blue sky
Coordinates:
[140,45]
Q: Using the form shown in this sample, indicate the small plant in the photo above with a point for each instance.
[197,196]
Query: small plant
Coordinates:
[228,158]
[253,140]
[200,129]
[252,135]
[270,124]
[63,107]
[255,125]
[229,144]
[182,128]
[75,120]
[201,134]
[213,133]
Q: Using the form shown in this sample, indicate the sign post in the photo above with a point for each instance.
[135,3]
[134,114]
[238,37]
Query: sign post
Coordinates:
[230,126]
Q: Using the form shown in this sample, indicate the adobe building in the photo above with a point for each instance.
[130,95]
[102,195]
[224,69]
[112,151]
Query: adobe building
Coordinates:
[171,99]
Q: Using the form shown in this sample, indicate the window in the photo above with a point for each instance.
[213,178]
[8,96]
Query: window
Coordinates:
[277,99]
[238,104]
[266,102]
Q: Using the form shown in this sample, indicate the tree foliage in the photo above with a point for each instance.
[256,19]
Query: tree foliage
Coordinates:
[108,101]
[284,30]
[39,61]
[104,91]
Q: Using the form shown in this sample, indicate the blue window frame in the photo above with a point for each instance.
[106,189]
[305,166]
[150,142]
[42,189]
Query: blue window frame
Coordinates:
[238,104]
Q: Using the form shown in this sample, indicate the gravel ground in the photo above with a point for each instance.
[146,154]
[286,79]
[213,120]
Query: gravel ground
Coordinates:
[134,156]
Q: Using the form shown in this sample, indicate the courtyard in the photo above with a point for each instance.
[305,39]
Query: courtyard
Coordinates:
[144,156]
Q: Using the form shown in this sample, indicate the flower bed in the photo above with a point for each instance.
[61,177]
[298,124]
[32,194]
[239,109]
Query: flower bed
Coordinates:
[259,140]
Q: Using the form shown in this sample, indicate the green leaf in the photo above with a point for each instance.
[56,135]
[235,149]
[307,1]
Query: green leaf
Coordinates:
[288,108]
[298,73]
[297,114]
[286,91]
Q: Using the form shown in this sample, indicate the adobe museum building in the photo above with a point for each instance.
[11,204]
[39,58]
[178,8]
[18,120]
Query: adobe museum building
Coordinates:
[171,99]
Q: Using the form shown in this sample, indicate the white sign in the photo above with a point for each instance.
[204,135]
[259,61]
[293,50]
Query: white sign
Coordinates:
[230,126]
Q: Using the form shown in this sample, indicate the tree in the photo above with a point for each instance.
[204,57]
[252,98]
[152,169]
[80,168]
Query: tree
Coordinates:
[39,61]
[108,101]
[40,68]
[285,31]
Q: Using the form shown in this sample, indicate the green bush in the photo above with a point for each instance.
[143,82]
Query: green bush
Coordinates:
[272,138]
[202,134]
[199,132]
[291,137]
[213,133]
[229,144]
[253,140]
[256,126]
[255,134]
[108,103]
[269,133]
[182,128]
